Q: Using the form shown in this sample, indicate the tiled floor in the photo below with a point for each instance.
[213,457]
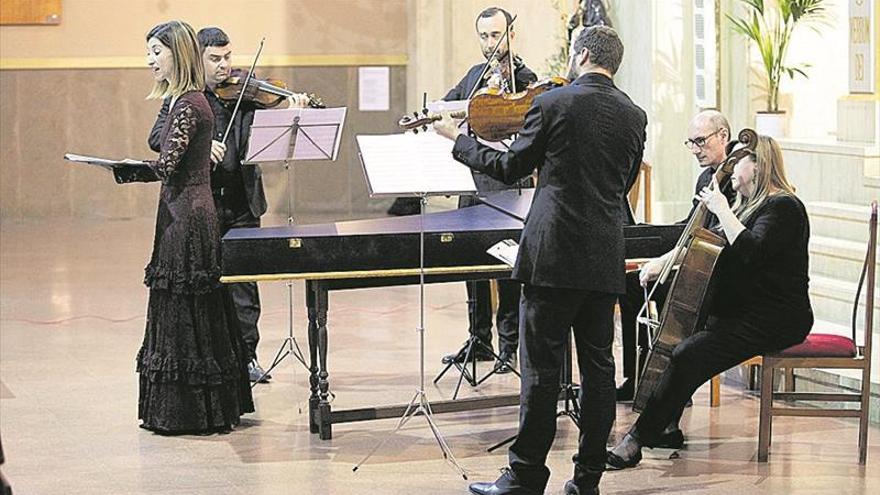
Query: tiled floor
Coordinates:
[71,320]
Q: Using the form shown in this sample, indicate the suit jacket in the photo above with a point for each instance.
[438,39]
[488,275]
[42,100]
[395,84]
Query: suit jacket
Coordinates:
[584,139]
[236,148]
[522,77]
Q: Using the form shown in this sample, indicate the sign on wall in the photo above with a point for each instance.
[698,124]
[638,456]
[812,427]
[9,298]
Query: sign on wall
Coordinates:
[862,46]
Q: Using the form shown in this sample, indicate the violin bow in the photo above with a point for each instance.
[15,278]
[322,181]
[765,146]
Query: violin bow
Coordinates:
[247,80]
[492,55]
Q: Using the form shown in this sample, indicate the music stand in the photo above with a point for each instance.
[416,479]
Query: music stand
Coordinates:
[568,392]
[284,136]
[390,171]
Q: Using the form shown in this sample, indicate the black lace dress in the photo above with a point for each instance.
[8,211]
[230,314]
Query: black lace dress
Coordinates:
[192,365]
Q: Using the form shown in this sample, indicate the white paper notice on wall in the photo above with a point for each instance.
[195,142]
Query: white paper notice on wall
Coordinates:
[374,89]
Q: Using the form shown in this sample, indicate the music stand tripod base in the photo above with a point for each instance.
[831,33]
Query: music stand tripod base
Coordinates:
[419,405]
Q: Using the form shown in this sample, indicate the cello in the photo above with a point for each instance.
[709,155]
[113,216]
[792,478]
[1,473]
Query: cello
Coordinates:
[683,313]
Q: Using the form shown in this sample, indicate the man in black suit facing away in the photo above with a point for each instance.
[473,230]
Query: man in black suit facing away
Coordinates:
[491,24]
[585,139]
[237,187]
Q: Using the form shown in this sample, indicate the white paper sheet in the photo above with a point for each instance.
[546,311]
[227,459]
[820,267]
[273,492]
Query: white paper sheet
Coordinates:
[506,251]
[374,88]
[412,164]
[107,163]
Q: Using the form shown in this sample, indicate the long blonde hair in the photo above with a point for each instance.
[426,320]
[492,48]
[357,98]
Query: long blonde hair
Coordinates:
[188,73]
[769,178]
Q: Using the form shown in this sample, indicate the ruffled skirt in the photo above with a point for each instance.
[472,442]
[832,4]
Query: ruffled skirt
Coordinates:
[193,362]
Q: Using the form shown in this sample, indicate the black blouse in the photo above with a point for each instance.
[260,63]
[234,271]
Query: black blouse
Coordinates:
[762,277]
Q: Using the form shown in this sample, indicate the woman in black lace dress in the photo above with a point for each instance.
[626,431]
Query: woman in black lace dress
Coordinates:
[193,375]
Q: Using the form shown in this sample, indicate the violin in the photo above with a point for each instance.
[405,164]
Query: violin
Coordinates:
[267,93]
[492,114]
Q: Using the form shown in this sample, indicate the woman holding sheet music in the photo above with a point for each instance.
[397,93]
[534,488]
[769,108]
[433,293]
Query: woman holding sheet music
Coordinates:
[192,365]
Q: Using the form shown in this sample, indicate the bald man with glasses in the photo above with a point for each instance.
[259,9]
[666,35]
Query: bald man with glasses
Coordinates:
[707,138]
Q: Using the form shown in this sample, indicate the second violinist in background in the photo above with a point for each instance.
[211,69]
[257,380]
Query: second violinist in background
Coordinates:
[237,187]
[491,24]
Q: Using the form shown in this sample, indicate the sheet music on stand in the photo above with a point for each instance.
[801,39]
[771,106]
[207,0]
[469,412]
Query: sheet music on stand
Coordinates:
[412,165]
[285,136]
[318,134]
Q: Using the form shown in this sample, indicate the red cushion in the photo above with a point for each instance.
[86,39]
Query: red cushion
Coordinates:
[821,345]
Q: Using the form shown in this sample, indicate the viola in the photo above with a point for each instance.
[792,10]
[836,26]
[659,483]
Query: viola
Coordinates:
[266,93]
[492,114]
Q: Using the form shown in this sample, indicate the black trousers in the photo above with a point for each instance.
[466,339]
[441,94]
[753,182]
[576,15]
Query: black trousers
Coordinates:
[245,295]
[630,304]
[547,316]
[506,319]
[480,306]
[722,345]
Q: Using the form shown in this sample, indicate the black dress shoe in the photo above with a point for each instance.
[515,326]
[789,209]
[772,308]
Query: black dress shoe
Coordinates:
[572,488]
[506,484]
[626,454]
[256,372]
[670,439]
[478,354]
[584,481]
[507,363]
[626,390]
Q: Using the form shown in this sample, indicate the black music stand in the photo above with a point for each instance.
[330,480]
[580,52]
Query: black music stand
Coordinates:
[568,392]
[388,166]
[469,352]
[284,136]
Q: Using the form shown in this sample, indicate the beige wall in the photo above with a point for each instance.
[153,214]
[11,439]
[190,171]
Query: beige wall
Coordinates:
[113,28]
[46,113]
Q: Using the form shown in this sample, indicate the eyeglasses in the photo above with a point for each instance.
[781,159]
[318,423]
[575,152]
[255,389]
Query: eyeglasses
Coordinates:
[699,142]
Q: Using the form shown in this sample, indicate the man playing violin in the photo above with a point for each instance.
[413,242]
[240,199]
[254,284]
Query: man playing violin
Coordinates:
[708,135]
[237,187]
[491,25]
[584,139]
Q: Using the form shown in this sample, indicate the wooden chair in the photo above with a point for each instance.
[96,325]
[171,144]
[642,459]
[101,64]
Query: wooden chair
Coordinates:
[642,188]
[826,351]
[715,383]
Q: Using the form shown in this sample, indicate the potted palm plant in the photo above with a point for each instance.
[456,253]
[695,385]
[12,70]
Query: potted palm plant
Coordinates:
[770,25]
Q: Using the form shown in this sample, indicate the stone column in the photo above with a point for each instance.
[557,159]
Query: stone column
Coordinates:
[858,113]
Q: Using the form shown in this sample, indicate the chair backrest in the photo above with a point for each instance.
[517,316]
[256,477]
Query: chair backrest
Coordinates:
[868,274]
[642,187]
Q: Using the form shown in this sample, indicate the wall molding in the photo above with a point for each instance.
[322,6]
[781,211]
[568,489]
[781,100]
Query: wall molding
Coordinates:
[238,60]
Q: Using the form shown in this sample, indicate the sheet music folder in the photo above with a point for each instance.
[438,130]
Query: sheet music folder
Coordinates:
[105,163]
[318,134]
[412,165]
[124,171]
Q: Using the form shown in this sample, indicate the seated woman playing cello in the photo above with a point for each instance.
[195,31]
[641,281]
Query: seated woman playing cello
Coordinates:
[760,303]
